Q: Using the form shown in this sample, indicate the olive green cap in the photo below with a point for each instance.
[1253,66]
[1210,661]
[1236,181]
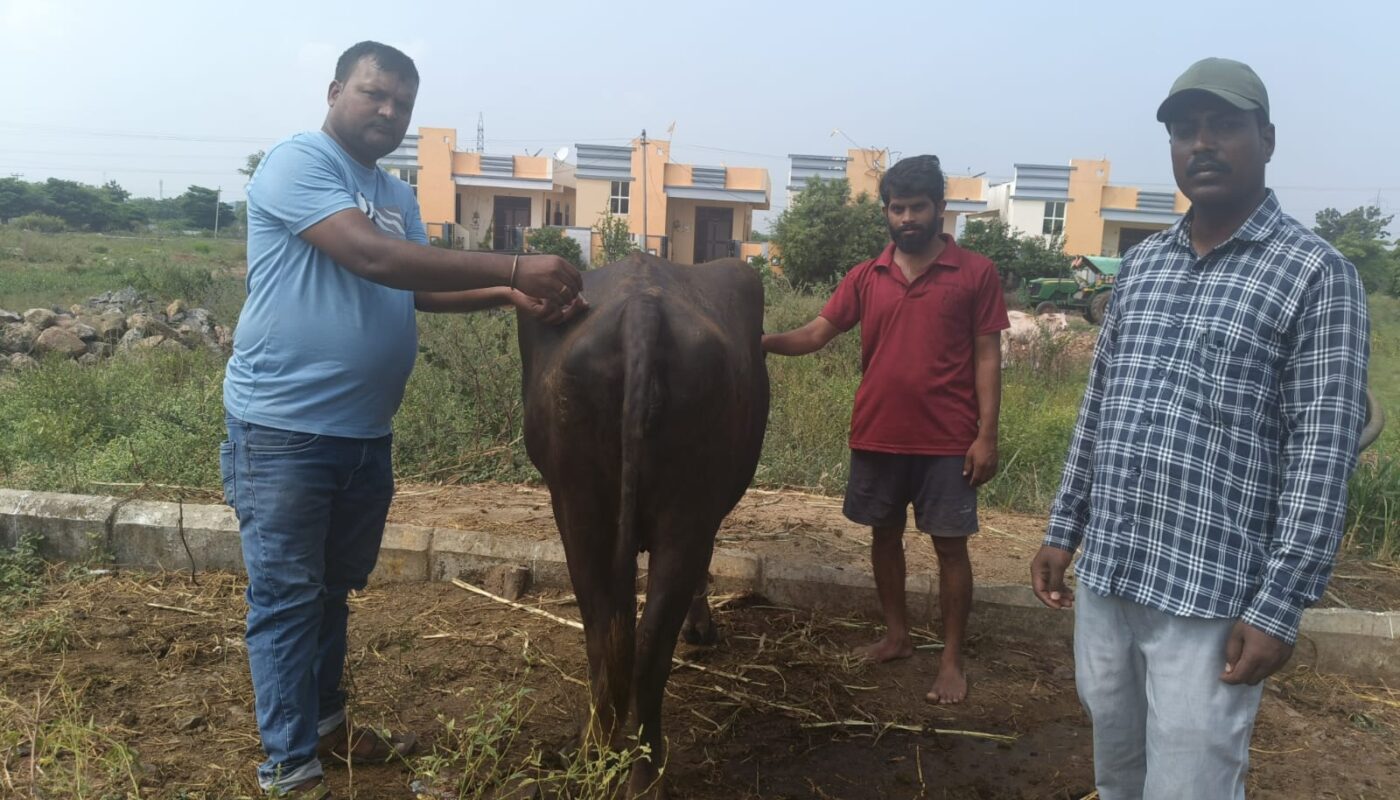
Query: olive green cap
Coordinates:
[1231,81]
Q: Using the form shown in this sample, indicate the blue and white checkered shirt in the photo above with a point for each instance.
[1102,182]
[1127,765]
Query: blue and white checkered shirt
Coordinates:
[1207,474]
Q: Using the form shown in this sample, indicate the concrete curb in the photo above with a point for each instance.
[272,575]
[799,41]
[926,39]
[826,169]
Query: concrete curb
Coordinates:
[138,533]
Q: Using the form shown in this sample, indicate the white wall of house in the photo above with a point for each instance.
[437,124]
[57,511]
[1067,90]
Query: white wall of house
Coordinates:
[1027,216]
[999,200]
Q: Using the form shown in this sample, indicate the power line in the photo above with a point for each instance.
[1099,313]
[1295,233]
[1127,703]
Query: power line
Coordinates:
[165,137]
[116,170]
[67,153]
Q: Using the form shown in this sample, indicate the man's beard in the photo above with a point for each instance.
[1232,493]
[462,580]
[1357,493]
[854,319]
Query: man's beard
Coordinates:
[912,241]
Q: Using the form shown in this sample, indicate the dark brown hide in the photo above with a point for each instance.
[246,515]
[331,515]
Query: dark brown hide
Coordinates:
[646,418]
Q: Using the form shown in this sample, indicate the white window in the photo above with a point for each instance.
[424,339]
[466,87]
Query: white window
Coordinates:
[409,175]
[618,198]
[1054,219]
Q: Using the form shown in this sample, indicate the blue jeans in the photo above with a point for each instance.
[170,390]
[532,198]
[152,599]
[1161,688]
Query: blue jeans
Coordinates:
[311,513]
[1165,726]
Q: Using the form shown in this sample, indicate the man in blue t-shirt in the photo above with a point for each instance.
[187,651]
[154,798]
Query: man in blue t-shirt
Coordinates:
[337,264]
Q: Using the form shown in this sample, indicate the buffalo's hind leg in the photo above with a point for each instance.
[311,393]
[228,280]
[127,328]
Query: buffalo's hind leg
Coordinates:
[699,627]
[677,575]
[607,601]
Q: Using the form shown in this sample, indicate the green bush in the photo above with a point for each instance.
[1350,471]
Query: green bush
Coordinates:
[616,238]
[165,280]
[825,232]
[1019,258]
[556,243]
[40,223]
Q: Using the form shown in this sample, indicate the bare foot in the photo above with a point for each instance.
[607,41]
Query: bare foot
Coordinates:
[887,649]
[949,687]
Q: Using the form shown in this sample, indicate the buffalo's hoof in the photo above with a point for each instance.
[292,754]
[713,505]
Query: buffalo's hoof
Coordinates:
[704,635]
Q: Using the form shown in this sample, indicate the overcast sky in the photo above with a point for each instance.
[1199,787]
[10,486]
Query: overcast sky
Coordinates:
[161,95]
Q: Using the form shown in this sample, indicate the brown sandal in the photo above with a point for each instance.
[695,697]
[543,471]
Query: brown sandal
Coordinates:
[370,746]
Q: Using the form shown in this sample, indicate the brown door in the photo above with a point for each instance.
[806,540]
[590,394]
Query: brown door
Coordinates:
[714,229]
[512,215]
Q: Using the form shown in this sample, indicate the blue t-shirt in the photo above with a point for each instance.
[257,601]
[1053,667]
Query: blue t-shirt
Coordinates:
[319,349]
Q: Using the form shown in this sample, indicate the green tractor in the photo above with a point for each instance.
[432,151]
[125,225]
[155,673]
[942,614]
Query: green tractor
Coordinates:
[1086,291]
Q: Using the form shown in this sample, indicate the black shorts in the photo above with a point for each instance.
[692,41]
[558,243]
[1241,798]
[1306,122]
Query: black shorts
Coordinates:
[882,485]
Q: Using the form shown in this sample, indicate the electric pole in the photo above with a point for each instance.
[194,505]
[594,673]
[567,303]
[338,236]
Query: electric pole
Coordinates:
[216,211]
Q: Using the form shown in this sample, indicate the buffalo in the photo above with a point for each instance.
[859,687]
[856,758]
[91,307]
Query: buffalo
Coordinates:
[645,417]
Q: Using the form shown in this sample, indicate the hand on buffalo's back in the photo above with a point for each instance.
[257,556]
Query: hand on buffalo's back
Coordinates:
[548,312]
[548,278]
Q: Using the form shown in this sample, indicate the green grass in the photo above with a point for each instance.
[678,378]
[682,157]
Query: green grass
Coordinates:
[1385,365]
[156,418]
[809,418]
[21,574]
[1373,508]
[141,417]
[50,632]
[45,270]
[479,755]
[55,749]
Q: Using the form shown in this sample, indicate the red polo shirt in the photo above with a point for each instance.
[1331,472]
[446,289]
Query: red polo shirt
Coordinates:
[918,394]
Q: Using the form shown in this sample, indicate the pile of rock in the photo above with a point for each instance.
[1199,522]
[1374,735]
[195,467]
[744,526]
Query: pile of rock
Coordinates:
[112,323]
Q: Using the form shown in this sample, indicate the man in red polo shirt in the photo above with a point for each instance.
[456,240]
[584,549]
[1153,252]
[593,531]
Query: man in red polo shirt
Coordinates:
[924,427]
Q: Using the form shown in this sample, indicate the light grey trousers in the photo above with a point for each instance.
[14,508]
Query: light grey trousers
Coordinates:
[1165,726]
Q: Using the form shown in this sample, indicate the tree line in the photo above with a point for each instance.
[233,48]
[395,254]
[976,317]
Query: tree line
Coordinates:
[826,231]
[55,205]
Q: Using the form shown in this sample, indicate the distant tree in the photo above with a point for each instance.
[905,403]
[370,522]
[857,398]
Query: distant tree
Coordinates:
[197,206]
[254,159]
[115,192]
[1018,257]
[1363,221]
[167,211]
[824,233]
[555,242]
[83,207]
[1362,236]
[616,238]
[17,198]
[760,236]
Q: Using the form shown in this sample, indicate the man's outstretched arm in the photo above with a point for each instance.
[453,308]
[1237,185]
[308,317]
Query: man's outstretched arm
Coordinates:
[800,341]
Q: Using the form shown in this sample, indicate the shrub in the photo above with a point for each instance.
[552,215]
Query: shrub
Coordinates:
[616,238]
[556,243]
[40,223]
[1019,258]
[825,232]
[161,278]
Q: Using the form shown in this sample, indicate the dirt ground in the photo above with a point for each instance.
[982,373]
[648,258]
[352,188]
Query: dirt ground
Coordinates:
[156,663]
[793,526]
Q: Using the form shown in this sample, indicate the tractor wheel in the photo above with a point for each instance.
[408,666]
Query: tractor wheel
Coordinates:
[1098,307]
[1046,307]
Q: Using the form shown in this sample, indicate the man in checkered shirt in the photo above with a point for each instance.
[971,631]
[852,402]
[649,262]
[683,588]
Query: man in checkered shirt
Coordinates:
[1207,476]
